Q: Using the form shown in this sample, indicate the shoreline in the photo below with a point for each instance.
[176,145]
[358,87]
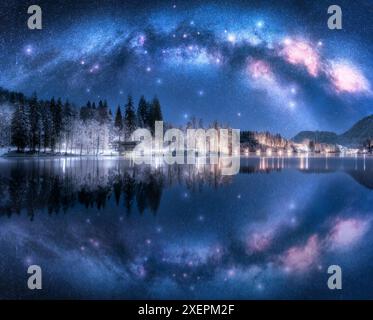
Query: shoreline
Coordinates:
[27,156]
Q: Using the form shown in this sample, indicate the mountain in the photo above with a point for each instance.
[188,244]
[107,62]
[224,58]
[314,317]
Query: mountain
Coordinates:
[317,136]
[360,132]
[356,136]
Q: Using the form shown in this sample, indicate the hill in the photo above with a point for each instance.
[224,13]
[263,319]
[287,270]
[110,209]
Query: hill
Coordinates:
[359,132]
[317,136]
[356,136]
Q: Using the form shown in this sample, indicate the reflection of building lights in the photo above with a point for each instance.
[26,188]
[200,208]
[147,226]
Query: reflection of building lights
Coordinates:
[303,162]
[263,163]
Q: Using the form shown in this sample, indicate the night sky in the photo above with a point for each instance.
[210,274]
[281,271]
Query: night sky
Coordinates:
[256,65]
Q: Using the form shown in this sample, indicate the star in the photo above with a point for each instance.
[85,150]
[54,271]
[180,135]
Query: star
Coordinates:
[231,38]
[28,50]
[259,286]
[292,104]
[260,24]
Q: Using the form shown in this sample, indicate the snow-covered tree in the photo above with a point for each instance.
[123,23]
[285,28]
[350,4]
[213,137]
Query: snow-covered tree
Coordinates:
[19,128]
[118,124]
[6,112]
[34,115]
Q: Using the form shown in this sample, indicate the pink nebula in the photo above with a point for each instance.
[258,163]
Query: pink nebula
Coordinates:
[346,232]
[347,78]
[300,52]
[260,69]
[141,40]
[259,242]
[302,257]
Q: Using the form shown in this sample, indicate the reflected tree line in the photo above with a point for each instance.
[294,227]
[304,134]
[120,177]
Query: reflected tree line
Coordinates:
[57,186]
[60,185]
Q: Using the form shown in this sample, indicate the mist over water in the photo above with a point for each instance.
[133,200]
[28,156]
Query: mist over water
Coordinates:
[106,228]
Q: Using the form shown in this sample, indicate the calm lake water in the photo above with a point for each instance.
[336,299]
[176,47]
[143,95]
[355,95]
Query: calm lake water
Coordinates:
[105,228]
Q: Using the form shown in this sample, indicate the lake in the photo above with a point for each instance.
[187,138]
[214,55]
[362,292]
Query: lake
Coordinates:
[109,229]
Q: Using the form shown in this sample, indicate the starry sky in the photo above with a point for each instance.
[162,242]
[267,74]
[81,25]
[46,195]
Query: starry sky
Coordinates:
[254,65]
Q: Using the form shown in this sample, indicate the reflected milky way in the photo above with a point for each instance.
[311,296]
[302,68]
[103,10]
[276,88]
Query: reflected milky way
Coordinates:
[110,229]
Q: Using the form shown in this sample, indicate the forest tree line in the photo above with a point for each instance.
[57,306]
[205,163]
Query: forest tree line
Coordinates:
[61,127]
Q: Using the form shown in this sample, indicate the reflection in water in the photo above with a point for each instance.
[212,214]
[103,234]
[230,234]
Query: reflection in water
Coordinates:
[268,232]
[59,185]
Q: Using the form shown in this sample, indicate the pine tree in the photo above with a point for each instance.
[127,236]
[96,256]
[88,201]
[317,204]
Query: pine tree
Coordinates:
[142,113]
[67,124]
[103,115]
[118,123]
[19,127]
[46,119]
[129,118]
[86,112]
[52,108]
[34,116]
[155,113]
[57,122]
